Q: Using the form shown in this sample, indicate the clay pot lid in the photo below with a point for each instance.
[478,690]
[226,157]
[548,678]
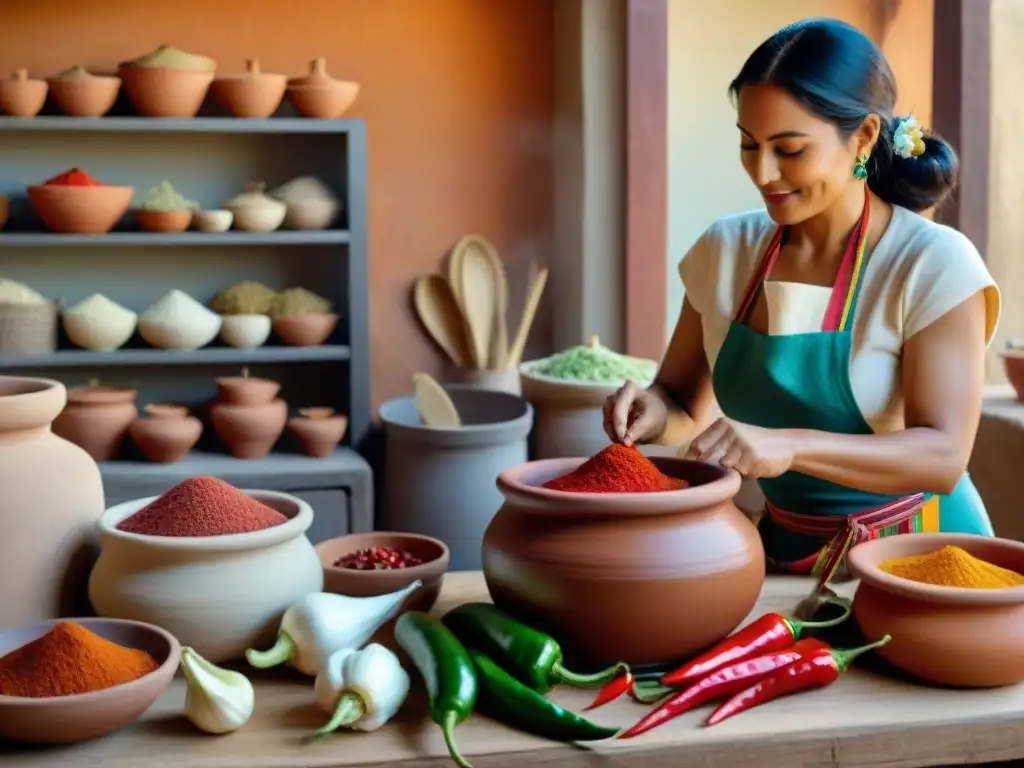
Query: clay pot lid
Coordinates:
[166,411]
[316,413]
[21,76]
[254,194]
[233,382]
[252,72]
[317,77]
[95,394]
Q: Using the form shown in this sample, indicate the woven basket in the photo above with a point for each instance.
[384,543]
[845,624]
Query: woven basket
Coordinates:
[28,328]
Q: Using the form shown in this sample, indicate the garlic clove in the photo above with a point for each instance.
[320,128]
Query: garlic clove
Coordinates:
[217,700]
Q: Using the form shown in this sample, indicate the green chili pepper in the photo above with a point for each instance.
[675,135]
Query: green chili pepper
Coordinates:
[531,657]
[447,672]
[507,700]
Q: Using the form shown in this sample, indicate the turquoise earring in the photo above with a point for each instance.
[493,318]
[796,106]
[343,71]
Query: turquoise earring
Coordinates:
[860,170]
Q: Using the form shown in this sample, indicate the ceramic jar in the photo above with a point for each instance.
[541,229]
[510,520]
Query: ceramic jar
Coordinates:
[570,416]
[217,594]
[317,94]
[22,96]
[318,430]
[252,94]
[311,204]
[255,211]
[96,418]
[248,416]
[79,93]
[52,497]
[166,433]
[641,577]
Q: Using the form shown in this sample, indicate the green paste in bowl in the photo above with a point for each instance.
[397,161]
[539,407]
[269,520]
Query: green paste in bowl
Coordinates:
[593,364]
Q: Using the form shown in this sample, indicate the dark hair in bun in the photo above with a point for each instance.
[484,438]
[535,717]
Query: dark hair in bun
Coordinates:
[839,74]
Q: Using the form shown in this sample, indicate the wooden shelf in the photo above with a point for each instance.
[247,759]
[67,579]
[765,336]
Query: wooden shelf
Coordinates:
[212,240]
[179,125]
[82,358]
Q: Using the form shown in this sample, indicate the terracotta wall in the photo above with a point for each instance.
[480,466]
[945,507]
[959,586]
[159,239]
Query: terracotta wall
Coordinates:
[457,94]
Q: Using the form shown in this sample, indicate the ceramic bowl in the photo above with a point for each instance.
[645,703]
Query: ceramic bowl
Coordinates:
[305,330]
[213,221]
[324,100]
[318,431]
[108,334]
[1013,361]
[79,210]
[943,635]
[218,594]
[91,96]
[259,218]
[645,578]
[22,96]
[163,92]
[344,581]
[255,94]
[311,213]
[162,221]
[68,719]
[191,332]
[245,331]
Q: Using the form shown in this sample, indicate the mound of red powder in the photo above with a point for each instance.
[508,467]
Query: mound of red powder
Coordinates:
[616,469]
[202,506]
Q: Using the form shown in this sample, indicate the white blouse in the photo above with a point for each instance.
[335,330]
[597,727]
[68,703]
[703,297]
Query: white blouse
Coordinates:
[917,272]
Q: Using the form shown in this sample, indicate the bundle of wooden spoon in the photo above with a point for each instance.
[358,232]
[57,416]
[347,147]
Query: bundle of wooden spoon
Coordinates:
[466,311]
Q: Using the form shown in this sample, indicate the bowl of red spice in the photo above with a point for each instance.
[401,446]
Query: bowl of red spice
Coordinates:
[71,680]
[953,603]
[215,565]
[75,203]
[382,562]
[592,549]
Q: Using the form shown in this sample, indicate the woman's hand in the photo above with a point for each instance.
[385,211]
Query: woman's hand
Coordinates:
[634,415]
[751,451]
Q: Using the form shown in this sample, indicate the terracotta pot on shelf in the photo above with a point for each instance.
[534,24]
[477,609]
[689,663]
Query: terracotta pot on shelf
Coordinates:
[166,433]
[305,330]
[22,96]
[318,430]
[319,95]
[52,497]
[252,94]
[96,419]
[246,390]
[687,566]
[165,92]
[162,221]
[4,211]
[79,210]
[79,93]
[248,416]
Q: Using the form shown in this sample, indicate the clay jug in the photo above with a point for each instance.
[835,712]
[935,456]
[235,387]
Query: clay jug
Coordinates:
[166,433]
[318,430]
[97,418]
[52,497]
[591,568]
[247,416]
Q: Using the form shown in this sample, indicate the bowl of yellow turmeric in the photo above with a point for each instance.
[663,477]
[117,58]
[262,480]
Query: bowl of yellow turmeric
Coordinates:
[953,604]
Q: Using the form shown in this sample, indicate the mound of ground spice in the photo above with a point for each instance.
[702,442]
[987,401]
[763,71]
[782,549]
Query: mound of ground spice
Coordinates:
[76,177]
[70,659]
[952,567]
[616,469]
[202,506]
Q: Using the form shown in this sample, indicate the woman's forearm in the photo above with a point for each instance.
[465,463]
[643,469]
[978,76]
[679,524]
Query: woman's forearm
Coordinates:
[913,460]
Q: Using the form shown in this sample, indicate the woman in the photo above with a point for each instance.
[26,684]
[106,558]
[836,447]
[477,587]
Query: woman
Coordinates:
[842,334]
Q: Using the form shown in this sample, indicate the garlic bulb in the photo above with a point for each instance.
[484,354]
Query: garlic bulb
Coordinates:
[217,700]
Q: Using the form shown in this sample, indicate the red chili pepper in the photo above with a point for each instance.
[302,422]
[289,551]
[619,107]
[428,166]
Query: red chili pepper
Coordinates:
[771,632]
[612,691]
[815,670]
[724,682]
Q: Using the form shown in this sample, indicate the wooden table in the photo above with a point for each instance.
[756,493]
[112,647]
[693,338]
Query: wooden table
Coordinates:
[862,720]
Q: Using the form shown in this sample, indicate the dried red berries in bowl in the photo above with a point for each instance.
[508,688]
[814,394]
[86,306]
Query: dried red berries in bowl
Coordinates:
[378,563]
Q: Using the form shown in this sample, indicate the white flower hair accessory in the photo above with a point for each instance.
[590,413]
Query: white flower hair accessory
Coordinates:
[908,138]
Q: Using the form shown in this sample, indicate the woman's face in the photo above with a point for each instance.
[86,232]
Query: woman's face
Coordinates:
[799,162]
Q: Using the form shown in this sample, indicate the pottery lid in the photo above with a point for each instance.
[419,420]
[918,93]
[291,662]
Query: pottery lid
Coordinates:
[100,395]
[254,195]
[252,72]
[20,76]
[317,74]
[170,57]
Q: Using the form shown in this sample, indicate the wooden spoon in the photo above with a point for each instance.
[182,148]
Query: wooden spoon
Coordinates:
[534,293]
[439,311]
[433,403]
[498,352]
[479,295]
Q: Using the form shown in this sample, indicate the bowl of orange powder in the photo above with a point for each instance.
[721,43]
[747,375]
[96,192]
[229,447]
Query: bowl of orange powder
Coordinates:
[953,603]
[71,680]
[214,565]
[75,203]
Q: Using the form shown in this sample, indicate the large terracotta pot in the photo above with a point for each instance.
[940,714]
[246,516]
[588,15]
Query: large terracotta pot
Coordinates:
[97,419]
[52,497]
[645,578]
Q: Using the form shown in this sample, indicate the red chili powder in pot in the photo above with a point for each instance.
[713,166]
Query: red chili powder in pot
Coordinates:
[202,506]
[616,469]
[76,177]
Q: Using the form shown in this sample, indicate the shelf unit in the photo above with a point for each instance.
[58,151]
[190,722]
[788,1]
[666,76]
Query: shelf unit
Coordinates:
[207,159]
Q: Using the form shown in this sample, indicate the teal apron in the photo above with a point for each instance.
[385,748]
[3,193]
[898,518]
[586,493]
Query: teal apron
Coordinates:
[802,381]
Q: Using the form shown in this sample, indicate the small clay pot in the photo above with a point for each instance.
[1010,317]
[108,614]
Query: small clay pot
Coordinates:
[318,430]
[84,94]
[21,96]
[166,433]
[319,95]
[162,221]
[165,92]
[96,419]
[1013,360]
[246,390]
[253,94]
[249,431]
[305,330]
[4,210]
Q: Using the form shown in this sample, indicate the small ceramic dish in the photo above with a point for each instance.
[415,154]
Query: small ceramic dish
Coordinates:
[305,330]
[213,221]
[69,719]
[346,581]
[162,221]
[245,331]
[971,638]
